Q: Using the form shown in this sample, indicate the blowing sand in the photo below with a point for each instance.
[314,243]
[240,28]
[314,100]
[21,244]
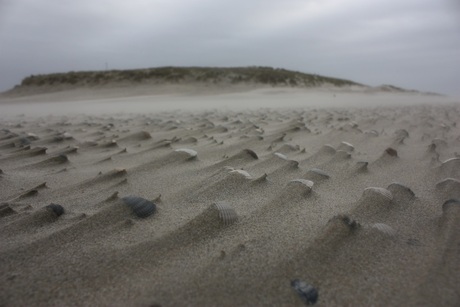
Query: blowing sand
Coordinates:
[262,197]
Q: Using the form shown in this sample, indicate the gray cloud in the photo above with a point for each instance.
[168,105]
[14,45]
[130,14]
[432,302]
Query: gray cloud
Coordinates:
[412,43]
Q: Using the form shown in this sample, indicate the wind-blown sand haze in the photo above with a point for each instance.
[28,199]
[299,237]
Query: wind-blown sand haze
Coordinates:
[261,197]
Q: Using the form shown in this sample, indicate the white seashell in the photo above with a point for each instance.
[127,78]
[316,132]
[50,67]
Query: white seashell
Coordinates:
[192,153]
[241,172]
[307,183]
[372,132]
[381,192]
[451,161]
[384,228]
[346,147]
[280,155]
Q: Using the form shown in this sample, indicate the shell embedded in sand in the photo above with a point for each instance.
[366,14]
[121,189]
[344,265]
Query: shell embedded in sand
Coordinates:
[5,210]
[306,292]
[190,152]
[241,172]
[391,151]
[57,209]
[251,153]
[372,132]
[451,162]
[141,207]
[378,192]
[303,182]
[384,228]
[308,183]
[329,149]
[448,182]
[402,133]
[346,147]
[451,203]
[399,188]
[280,155]
[227,214]
[317,173]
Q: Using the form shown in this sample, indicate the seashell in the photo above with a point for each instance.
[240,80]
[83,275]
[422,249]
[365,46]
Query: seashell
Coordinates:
[112,143]
[391,151]
[346,147]
[227,214]
[448,182]
[5,210]
[399,188]
[141,207]
[378,192]
[307,183]
[384,228]
[451,203]
[306,292]
[241,173]
[280,155]
[451,162]
[328,149]
[28,193]
[316,173]
[251,153]
[67,136]
[372,133]
[451,167]
[61,158]
[361,166]
[262,178]
[57,209]
[190,152]
[289,148]
[402,133]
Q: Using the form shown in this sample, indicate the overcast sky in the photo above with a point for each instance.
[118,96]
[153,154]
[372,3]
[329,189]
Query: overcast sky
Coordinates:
[409,43]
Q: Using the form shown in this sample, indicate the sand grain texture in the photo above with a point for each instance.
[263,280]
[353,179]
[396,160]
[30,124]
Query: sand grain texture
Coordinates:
[256,206]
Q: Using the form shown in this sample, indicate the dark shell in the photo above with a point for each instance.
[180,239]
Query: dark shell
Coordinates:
[450,204]
[251,153]
[141,207]
[306,292]
[57,209]
[391,151]
[6,210]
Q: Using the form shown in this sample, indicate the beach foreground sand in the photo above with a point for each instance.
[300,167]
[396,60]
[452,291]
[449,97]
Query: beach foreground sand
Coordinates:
[259,196]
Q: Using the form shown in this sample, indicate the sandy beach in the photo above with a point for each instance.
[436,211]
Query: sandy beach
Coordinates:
[243,197]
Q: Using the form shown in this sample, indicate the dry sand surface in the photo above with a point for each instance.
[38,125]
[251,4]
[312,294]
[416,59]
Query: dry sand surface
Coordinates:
[269,197]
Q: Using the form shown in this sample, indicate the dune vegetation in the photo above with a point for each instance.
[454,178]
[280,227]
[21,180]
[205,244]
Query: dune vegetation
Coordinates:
[213,75]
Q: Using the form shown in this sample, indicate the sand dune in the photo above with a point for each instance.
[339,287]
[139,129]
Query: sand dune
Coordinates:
[252,199]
